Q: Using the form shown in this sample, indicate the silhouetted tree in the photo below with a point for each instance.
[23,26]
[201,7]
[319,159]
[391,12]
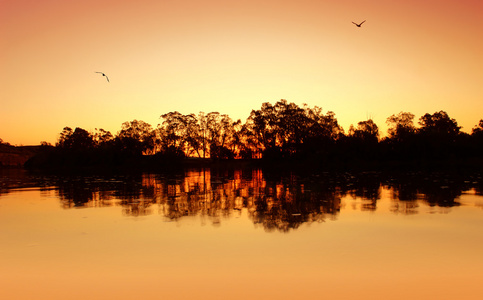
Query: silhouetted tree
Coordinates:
[135,138]
[438,136]
[179,134]
[321,135]
[220,133]
[64,136]
[439,123]
[247,143]
[74,148]
[285,130]
[236,141]
[261,129]
[478,129]
[361,143]
[279,131]
[477,140]
[322,125]
[79,139]
[366,131]
[401,126]
[194,135]
[401,143]
[171,133]
[206,135]
[102,137]
[291,124]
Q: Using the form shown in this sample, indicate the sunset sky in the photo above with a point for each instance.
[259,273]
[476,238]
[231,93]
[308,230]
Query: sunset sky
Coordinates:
[419,56]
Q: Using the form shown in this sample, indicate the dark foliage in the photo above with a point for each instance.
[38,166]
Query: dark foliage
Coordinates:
[274,134]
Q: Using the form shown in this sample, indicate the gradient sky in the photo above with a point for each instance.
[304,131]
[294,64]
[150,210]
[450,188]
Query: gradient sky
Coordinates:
[419,56]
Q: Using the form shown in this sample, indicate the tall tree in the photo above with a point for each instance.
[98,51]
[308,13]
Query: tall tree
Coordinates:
[287,130]
[171,133]
[439,123]
[102,137]
[220,135]
[401,126]
[366,131]
[136,137]
[64,137]
[438,136]
[260,128]
[194,139]
[179,134]
[79,139]
[321,125]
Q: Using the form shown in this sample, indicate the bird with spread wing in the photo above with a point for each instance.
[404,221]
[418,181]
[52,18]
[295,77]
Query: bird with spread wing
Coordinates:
[358,25]
[104,75]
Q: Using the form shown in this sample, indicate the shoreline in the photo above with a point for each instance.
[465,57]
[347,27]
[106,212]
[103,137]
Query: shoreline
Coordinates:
[151,164]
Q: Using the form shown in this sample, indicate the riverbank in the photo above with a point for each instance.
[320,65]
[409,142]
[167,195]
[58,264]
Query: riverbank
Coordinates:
[51,162]
[16,156]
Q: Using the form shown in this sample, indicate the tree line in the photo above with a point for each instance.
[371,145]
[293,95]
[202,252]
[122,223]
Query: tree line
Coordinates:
[276,132]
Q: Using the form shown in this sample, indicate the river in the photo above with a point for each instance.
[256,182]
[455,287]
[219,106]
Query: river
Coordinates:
[241,234]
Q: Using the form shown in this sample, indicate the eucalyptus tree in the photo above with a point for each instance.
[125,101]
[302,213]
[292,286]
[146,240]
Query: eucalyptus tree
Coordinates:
[102,137]
[322,125]
[276,130]
[291,124]
[366,131]
[401,126]
[361,142]
[221,135]
[260,129]
[287,130]
[171,133]
[136,137]
[439,124]
[439,136]
[78,139]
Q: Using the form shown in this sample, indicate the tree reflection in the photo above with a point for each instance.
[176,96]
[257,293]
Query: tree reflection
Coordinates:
[285,206]
[274,200]
[436,189]
[81,191]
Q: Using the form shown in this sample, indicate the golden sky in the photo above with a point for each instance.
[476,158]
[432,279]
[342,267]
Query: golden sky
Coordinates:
[419,56]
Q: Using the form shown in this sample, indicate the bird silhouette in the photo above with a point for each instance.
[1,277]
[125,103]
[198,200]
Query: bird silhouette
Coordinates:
[358,25]
[104,75]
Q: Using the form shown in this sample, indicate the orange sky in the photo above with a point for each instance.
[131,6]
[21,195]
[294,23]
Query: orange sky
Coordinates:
[420,56]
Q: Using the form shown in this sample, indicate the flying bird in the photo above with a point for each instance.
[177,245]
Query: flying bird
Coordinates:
[358,25]
[104,75]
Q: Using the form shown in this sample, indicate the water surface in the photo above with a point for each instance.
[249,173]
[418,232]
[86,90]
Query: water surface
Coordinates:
[241,234]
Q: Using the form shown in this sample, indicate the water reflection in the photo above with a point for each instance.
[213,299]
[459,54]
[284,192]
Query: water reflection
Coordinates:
[276,201]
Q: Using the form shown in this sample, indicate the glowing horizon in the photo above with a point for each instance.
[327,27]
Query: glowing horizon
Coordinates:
[230,57]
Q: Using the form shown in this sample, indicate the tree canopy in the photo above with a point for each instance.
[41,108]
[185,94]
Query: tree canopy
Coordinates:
[280,131]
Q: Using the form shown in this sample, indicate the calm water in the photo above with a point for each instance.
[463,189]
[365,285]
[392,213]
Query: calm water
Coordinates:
[241,234]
